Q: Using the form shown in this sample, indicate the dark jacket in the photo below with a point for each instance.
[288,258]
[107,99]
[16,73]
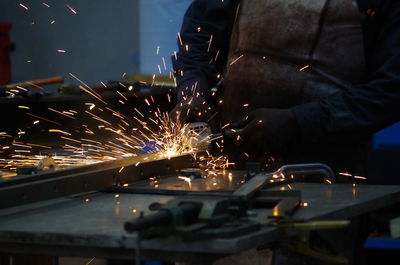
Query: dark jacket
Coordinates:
[358,110]
[369,106]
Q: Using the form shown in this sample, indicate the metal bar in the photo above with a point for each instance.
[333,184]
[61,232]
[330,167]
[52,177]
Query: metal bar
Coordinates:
[162,191]
[257,182]
[253,185]
[288,202]
[75,170]
[308,169]
[98,177]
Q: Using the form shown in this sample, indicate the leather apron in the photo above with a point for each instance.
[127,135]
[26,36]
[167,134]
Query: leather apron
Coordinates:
[288,52]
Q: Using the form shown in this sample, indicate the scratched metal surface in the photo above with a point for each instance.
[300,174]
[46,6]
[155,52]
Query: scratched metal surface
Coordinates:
[92,225]
[210,180]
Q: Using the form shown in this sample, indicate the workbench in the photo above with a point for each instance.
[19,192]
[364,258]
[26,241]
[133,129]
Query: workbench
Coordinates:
[91,224]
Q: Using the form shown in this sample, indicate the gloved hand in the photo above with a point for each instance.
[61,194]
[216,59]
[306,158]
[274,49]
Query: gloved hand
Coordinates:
[191,109]
[265,130]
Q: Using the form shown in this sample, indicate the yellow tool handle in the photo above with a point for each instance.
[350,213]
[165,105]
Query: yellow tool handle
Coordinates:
[317,225]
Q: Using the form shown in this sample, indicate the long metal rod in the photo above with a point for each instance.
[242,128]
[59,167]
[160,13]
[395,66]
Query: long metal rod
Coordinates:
[76,170]
[86,179]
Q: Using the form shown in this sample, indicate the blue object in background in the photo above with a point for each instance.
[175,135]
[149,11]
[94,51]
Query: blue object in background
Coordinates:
[388,138]
[149,148]
[382,243]
[160,21]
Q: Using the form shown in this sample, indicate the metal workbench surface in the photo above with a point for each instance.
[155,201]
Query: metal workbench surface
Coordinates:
[91,225]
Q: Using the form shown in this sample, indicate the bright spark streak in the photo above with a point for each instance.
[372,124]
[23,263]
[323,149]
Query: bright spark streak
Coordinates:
[139,112]
[59,112]
[237,59]
[187,179]
[70,139]
[23,6]
[36,116]
[216,55]
[90,261]
[89,90]
[360,177]
[180,38]
[122,95]
[91,105]
[71,9]
[304,67]
[59,131]
[209,43]
[328,181]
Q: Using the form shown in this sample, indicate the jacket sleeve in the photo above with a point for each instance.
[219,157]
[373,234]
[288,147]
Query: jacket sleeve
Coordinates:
[203,45]
[365,108]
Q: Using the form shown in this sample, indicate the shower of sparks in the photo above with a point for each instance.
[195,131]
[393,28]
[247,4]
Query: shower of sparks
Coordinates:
[129,137]
[211,162]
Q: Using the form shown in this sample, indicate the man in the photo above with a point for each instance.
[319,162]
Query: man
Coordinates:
[304,80]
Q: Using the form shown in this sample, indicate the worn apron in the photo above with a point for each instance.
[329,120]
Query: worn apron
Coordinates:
[288,52]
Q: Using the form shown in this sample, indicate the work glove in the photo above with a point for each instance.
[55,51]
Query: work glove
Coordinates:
[191,109]
[264,131]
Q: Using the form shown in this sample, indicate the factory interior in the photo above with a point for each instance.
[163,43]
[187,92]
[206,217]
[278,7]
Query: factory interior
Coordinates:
[199,132]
